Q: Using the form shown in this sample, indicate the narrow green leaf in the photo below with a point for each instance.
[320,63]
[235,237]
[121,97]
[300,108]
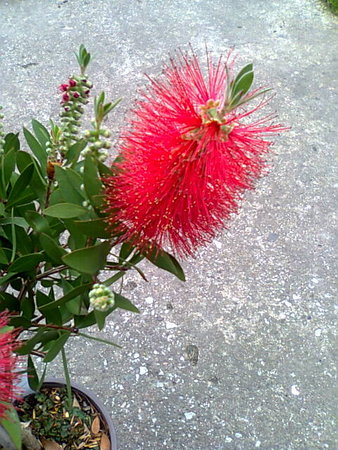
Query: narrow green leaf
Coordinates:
[36,147]
[20,186]
[88,260]
[123,303]
[11,142]
[165,261]
[65,211]
[74,151]
[243,81]
[126,250]
[32,375]
[56,347]
[92,183]
[40,132]
[103,341]
[28,307]
[8,165]
[117,276]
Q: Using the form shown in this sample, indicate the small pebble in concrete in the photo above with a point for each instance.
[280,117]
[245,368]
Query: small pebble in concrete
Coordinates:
[189,415]
[143,370]
[294,390]
[170,325]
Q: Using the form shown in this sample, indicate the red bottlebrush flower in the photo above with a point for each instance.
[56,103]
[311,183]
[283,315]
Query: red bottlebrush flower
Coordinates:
[63,87]
[8,375]
[188,156]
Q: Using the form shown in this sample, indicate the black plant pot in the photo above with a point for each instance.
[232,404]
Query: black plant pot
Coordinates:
[91,398]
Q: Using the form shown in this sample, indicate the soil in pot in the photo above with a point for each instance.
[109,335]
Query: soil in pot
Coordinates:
[55,426]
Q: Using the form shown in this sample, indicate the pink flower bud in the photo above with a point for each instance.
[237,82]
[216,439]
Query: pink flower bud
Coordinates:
[72,83]
[65,97]
[63,87]
[76,95]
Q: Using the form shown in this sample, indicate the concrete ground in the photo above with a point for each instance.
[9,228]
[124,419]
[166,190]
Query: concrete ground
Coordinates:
[259,301]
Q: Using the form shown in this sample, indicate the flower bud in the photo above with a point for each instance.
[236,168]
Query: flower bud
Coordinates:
[101,298]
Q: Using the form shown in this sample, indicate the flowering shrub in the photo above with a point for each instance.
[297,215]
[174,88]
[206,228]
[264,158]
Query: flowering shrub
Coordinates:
[189,154]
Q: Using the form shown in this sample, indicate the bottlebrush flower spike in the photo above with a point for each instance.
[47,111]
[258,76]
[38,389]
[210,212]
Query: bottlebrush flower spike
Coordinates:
[8,375]
[188,156]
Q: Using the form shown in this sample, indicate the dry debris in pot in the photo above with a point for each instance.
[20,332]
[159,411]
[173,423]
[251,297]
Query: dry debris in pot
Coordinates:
[58,427]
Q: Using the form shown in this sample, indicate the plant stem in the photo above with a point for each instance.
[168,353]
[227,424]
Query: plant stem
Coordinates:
[50,272]
[67,377]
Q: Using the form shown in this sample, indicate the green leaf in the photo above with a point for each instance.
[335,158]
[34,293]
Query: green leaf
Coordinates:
[36,147]
[126,250]
[52,315]
[104,170]
[92,183]
[53,250]
[8,165]
[28,307]
[19,189]
[243,81]
[20,322]
[70,185]
[41,133]
[114,278]
[100,317]
[65,211]
[32,375]
[88,260]
[95,228]
[123,303]
[74,305]
[74,151]
[29,345]
[84,321]
[103,341]
[56,347]
[63,300]
[38,222]
[165,261]
[26,263]
[11,423]
[19,221]
[9,301]
[11,142]
[38,182]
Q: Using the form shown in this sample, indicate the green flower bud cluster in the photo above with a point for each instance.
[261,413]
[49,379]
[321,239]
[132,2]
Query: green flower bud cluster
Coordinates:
[101,298]
[98,142]
[75,96]
[2,134]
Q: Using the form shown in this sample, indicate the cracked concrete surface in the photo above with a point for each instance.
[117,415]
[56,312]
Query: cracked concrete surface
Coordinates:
[259,302]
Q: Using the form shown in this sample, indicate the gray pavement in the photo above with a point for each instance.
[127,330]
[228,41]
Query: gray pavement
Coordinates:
[259,301]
